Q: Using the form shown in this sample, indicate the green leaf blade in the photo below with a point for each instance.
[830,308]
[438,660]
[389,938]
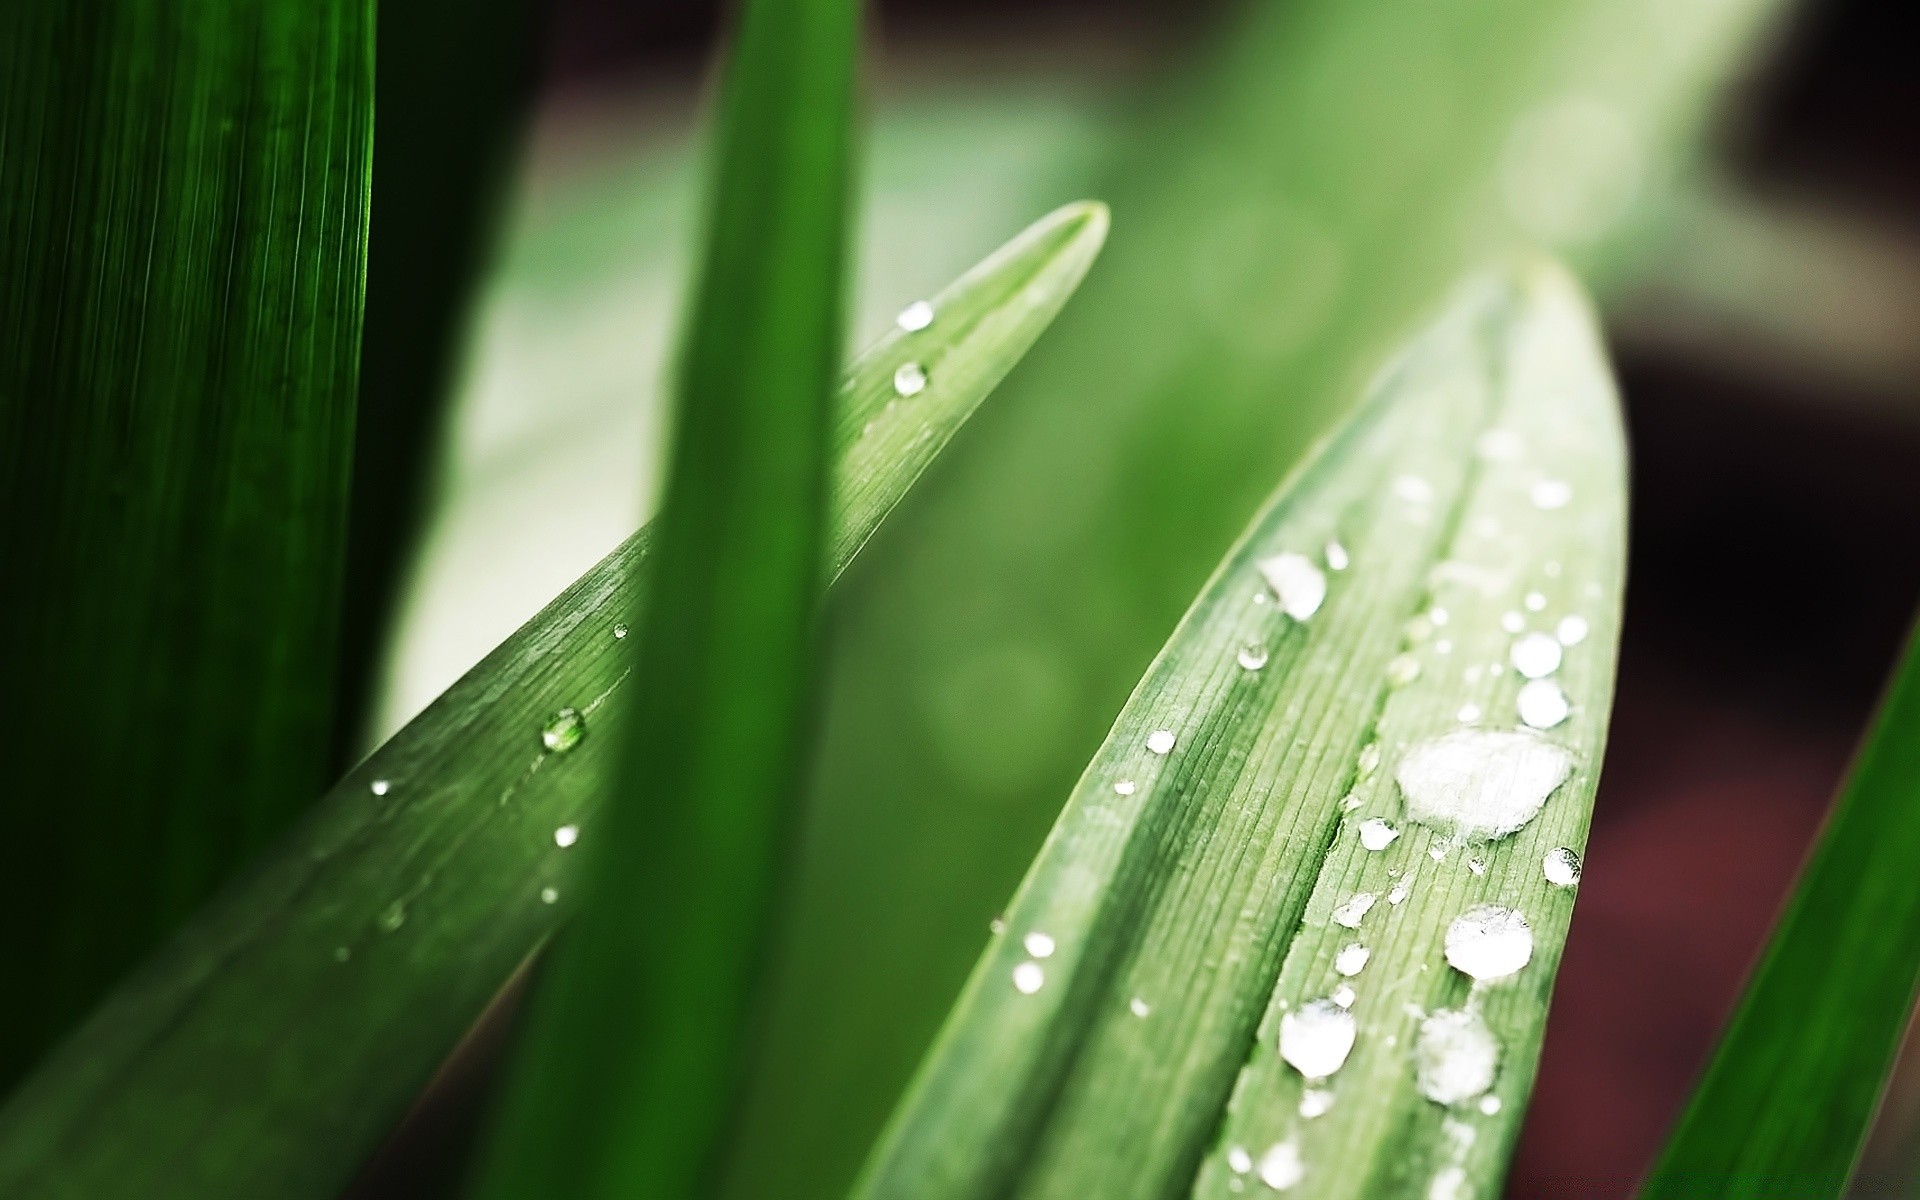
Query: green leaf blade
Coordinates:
[1186,896]
[274,1043]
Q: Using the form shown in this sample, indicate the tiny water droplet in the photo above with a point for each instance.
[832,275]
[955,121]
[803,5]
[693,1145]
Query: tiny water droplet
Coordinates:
[915,317]
[1337,559]
[996,927]
[566,836]
[1469,713]
[1124,787]
[1413,489]
[549,895]
[1252,656]
[1343,996]
[1552,568]
[1352,959]
[1028,978]
[1351,801]
[563,730]
[1239,1161]
[1369,760]
[1537,655]
[1316,1038]
[1489,942]
[1534,601]
[1489,1105]
[1403,670]
[1572,630]
[341,954]
[1436,853]
[1450,1183]
[1376,834]
[1350,914]
[1419,629]
[379,787]
[1438,616]
[1138,1007]
[1160,741]
[620,630]
[1297,584]
[1455,1057]
[1512,622]
[1500,445]
[1398,895]
[1476,866]
[394,916]
[1443,646]
[1542,704]
[1479,783]
[1550,493]
[1314,1102]
[1561,867]
[1038,944]
[910,379]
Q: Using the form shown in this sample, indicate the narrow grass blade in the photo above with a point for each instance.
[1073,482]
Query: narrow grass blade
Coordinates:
[625,1074]
[1248,819]
[275,1041]
[183,203]
[1790,1093]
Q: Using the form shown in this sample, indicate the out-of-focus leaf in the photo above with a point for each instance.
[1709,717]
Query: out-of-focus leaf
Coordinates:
[275,1041]
[183,192]
[1326,772]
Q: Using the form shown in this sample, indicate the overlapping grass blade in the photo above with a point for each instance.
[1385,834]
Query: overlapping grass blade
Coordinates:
[625,1075]
[269,1048]
[1789,1096]
[183,193]
[1119,1036]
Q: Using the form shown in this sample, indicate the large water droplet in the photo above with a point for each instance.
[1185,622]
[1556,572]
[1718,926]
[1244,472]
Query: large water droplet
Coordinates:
[910,379]
[1480,783]
[1561,867]
[1489,941]
[1376,834]
[1300,586]
[563,730]
[1536,655]
[1572,630]
[1252,656]
[1352,959]
[1038,944]
[1542,704]
[1028,978]
[1350,914]
[1316,1038]
[1160,741]
[1456,1056]
[915,317]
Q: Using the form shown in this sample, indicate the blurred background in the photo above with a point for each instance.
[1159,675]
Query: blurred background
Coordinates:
[1292,185]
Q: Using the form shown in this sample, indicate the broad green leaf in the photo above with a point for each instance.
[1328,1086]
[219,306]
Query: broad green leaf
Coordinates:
[277,1039]
[1289,205]
[1788,1098]
[1329,765]
[183,206]
[628,1062]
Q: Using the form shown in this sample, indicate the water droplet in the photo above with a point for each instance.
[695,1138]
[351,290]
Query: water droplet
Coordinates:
[1534,601]
[1038,944]
[1481,783]
[1300,586]
[1436,853]
[563,730]
[1561,867]
[341,954]
[1542,704]
[910,379]
[393,916]
[566,836]
[1160,741]
[1413,489]
[1343,996]
[1489,1105]
[620,630]
[1438,615]
[1124,787]
[1419,629]
[1572,630]
[1512,622]
[1489,942]
[1352,959]
[1398,895]
[1316,1038]
[1028,978]
[1450,1183]
[915,317]
[1456,1056]
[1469,713]
[1477,866]
[1252,656]
[549,895]
[1403,670]
[1550,493]
[1337,559]
[997,926]
[1239,1161]
[1314,1102]
[1353,911]
[1443,646]
[1536,655]
[379,787]
[1369,760]
[1351,802]
[1500,445]
[1138,1007]
[1376,834]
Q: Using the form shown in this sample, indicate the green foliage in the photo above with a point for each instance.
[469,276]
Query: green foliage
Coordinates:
[1191,897]
[1791,1091]
[183,200]
[284,1033]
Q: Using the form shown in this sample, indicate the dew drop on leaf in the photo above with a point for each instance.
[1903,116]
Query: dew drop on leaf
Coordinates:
[1499,445]
[1561,867]
[1376,834]
[1124,787]
[620,630]
[1160,741]
[1469,713]
[563,730]
[1314,1102]
[915,317]
[1455,1057]
[1542,704]
[1450,1184]
[380,787]
[1550,493]
[1028,978]
[1350,914]
[1337,559]
[566,836]
[1536,655]
[1252,656]
[1489,1104]
[1239,1161]
[393,916]
[1038,944]
[1343,996]
[1512,622]
[1352,959]
[1316,1038]
[1403,670]
[1534,601]
[1413,489]
[1572,630]
[549,895]
[1489,942]
[1139,1007]
[1297,584]
[1480,783]
[910,379]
